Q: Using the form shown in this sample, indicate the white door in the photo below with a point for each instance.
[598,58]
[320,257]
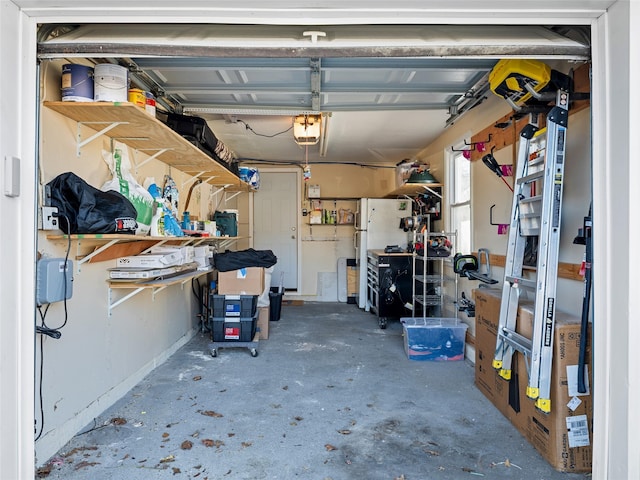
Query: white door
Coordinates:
[275,224]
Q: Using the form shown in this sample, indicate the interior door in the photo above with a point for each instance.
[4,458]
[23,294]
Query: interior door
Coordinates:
[275,224]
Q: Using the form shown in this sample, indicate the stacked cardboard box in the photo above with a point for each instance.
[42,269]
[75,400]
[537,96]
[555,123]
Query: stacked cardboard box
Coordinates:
[563,436]
[352,280]
[263,323]
[244,281]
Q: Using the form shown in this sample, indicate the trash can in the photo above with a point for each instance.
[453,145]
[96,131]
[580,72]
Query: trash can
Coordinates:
[275,304]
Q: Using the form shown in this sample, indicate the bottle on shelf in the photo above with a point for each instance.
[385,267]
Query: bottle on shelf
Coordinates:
[157,222]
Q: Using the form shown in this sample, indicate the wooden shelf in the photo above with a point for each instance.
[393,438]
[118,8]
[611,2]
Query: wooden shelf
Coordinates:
[413,189]
[334,199]
[570,271]
[134,127]
[156,286]
[102,247]
[158,283]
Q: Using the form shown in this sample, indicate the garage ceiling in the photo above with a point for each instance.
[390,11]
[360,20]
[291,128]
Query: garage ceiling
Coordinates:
[385,92]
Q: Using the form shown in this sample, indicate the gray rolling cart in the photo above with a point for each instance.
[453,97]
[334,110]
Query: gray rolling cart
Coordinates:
[233,322]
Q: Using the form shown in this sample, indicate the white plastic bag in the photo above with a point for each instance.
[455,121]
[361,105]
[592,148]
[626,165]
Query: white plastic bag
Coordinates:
[125,183]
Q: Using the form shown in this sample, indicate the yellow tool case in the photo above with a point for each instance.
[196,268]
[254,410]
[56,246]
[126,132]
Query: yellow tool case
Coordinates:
[509,77]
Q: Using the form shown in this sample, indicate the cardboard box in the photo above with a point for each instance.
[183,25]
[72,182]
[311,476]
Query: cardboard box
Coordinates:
[563,436]
[150,261]
[186,252]
[352,280]
[245,281]
[434,339]
[263,322]
[313,191]
[315,217]
[486,379]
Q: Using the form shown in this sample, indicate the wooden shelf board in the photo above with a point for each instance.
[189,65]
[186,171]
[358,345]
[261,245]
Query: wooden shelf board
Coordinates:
[125,245]
[570,271]
[412,189]
[147,134]
[157,283]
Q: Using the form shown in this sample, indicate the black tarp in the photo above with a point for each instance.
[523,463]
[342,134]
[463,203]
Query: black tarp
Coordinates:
[225,262]
[85,209]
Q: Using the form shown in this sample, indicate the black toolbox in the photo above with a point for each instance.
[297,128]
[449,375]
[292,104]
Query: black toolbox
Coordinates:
[233,329]
[233,305]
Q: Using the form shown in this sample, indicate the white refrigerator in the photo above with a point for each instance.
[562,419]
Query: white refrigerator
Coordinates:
[377,224]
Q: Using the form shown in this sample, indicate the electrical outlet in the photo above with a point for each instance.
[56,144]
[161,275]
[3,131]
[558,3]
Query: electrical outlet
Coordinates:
[49,222]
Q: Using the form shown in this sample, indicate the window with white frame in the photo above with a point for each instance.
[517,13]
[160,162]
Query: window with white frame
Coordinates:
[459,200]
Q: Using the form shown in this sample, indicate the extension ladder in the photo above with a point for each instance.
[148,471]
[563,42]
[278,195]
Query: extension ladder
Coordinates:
[534,214]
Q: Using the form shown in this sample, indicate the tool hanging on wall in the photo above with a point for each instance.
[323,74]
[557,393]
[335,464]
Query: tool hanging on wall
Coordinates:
[475,147]
[584,238]
[490,161]
[503,228]
[470,266]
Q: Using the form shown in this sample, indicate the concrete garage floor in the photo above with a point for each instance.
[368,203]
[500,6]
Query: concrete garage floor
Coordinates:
[330,396]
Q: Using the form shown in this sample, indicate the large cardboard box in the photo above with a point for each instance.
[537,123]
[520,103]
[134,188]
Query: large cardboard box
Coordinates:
[147,260]
[263,323]
[563,436]
[487,380]
[352,280]
[244,281]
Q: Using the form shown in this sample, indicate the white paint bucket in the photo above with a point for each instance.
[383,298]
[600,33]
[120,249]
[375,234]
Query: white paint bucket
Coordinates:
[110,83]
[77,83]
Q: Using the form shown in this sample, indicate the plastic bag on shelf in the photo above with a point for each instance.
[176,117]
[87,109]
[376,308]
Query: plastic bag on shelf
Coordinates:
[125,183]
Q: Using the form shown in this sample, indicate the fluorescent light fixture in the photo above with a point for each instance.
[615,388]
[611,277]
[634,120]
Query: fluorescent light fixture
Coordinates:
[306,129]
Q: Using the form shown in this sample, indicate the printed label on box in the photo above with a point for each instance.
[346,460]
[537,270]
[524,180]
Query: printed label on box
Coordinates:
[242,273]
[578,431]
[232,333]
[572,380]
[574,403]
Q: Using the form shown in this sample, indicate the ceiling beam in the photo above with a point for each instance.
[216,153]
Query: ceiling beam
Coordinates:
[316,80]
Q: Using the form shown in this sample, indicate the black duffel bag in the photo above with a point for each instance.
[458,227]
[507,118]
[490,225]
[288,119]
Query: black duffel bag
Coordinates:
[228,261]
[86,209]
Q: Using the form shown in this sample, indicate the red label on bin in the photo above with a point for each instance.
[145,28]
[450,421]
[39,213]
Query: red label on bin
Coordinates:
[232,333]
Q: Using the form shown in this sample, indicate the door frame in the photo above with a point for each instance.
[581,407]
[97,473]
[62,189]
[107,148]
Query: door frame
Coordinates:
[615,70]
[298,173]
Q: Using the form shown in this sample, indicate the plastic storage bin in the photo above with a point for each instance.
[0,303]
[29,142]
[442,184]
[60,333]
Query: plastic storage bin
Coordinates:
[225,329]
[234,305]
[275,304]
[227,223]
[435,339]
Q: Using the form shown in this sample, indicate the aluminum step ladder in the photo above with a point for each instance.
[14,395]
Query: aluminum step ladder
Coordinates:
[534,214]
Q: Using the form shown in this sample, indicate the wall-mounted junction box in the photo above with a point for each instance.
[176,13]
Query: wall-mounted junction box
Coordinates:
[54,282]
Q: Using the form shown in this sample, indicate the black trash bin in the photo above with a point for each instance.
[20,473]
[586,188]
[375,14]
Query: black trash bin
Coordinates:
[275,304]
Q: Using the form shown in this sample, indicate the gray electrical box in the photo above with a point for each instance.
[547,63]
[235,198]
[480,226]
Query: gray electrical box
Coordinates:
[54,282]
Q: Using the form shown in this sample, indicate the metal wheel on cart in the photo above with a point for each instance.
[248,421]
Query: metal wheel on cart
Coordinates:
[382,322]
[252,346]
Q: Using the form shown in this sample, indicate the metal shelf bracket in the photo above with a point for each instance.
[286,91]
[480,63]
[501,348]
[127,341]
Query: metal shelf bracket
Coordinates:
[81,143]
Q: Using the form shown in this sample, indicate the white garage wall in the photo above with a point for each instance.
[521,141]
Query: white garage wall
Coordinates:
[99,357]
